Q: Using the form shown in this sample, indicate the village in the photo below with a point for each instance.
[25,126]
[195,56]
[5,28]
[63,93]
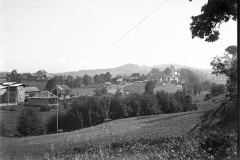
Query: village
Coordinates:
[14,93]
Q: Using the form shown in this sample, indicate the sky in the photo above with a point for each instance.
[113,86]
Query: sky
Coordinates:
[72,35]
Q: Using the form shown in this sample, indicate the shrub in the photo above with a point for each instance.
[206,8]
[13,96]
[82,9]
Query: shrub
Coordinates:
[4,132]
[207,97]
[66,121]
[30,122]
[45,108]
[12,109]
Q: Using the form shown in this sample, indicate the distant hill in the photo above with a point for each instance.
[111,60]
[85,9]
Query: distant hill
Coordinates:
[126,69]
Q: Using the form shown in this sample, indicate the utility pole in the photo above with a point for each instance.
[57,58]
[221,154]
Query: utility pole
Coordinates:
[8,88]
[57,108]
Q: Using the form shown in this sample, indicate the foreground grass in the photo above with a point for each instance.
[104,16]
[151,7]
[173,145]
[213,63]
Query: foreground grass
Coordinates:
[168,136]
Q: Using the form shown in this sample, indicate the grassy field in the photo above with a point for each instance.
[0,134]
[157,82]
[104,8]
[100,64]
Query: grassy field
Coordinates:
[134,88]
[39,85]
[140,88]
[122,129]
[82,91]
[168,88]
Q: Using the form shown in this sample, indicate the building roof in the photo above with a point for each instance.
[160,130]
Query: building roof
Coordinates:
[8,83]
[31,89]
[44,94]
[3,87]
[64,88]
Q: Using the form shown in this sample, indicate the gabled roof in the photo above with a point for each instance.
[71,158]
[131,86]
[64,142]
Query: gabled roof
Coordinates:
[9,83]
[64,88]
[31,89]
[3,87]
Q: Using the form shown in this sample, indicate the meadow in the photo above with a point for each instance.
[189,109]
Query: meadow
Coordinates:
[122,130]
[39,84]
[140,88]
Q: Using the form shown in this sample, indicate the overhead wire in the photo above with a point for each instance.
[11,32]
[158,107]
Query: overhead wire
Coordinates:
[124,35]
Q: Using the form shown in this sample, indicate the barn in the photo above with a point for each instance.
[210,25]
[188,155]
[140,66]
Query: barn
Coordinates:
[12,93]
[43,98]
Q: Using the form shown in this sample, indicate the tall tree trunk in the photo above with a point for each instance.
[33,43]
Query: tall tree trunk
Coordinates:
[90,120]
[80,119]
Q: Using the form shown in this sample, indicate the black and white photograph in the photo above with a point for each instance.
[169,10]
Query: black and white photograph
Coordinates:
[119,79]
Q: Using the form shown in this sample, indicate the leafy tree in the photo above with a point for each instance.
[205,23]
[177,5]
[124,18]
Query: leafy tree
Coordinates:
[41,74]
[214,13]
[87,79]
[195,89]
[69,81]
[95,79]
[149,87]
[107,77]
[50,84]
[67,121]
[194,80]
[100,91]
[14,76]
[200,88]
[167,71]
[227,64]
[206,85]
[30,122]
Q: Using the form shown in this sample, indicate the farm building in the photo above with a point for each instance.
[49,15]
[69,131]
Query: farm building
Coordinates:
[63,91]
[30,91]
[12,93]
[43,98]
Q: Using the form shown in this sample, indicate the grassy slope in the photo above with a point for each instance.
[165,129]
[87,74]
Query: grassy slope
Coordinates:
[125,129]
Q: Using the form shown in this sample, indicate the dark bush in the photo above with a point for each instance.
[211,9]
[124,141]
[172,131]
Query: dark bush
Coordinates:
[207,97]
[4,132]
[30,122]
[66,121]
[12,109]
[45,108]
[217,89]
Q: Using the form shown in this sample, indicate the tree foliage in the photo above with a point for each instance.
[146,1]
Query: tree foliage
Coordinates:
[213,14]
[227,64]
[149,87]
[87,80]
[30,122]
[14,76]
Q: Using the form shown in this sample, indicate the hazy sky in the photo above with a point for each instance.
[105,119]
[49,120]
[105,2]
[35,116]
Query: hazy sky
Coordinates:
[66,35]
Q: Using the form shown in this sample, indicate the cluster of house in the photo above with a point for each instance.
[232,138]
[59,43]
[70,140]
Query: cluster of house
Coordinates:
[158,77]
[12,93]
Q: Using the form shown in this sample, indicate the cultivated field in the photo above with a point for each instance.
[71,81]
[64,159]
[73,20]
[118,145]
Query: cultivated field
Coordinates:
[40,85]
[122,129]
